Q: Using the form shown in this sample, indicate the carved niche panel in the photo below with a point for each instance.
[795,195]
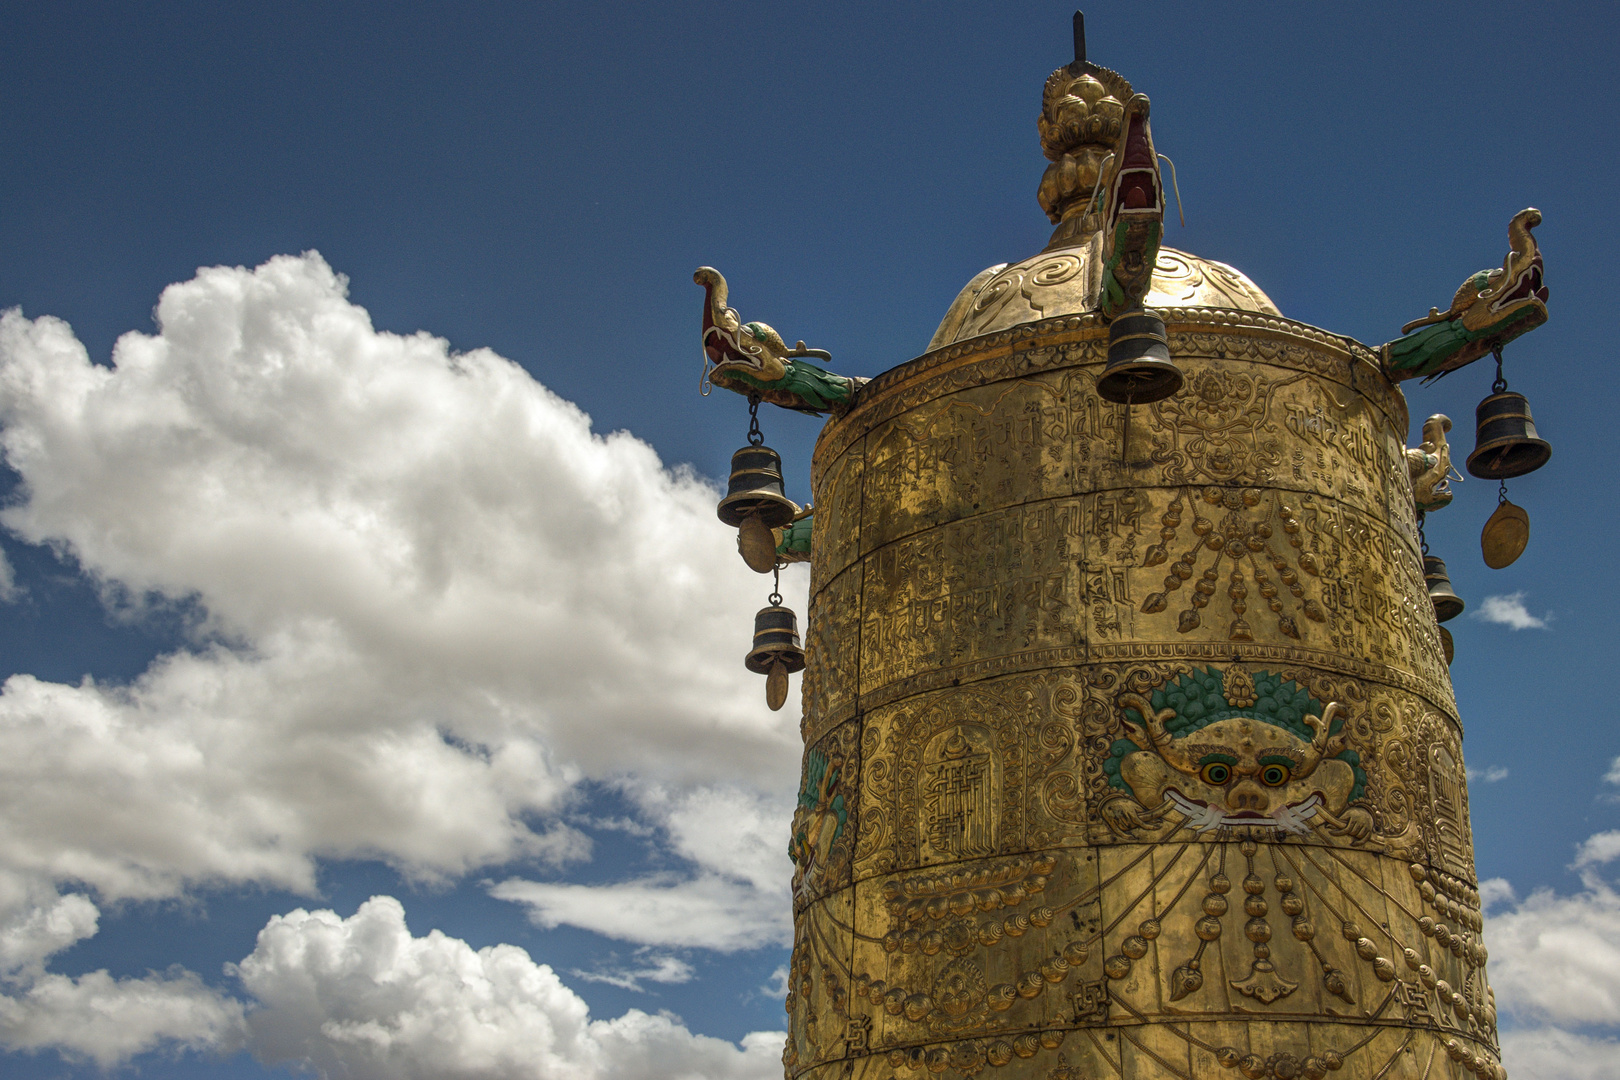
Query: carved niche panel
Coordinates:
[971,773]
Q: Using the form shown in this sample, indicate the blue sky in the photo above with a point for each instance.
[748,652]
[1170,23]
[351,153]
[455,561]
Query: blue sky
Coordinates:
[356,628]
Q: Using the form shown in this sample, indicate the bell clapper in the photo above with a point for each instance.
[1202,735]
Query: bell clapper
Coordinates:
[776,686]
[1506,534]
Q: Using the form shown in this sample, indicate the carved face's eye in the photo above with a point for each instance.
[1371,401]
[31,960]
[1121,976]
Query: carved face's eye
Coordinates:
[1216,773]
[1274,775]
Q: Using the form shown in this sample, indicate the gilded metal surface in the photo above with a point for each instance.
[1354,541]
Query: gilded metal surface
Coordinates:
[1068,281]
[1014,870]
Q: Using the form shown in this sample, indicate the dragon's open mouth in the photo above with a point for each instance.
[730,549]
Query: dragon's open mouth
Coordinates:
[727,349]
[1527,286]
[1136,183]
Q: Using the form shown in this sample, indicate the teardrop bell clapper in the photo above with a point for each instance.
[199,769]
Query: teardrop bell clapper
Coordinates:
[755,502]
[777,652]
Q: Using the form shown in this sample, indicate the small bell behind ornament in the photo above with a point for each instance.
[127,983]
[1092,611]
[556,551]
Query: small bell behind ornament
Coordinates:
[1447,604]
[1505,535]
[1447,646]
[1139,368]
[1505,440]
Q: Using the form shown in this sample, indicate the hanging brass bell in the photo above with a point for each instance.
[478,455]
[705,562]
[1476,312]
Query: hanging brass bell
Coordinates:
[1139,368]
[1447,646]
[1505,535]
[1447,604]
[776,653]
[755,490]
[1505,441]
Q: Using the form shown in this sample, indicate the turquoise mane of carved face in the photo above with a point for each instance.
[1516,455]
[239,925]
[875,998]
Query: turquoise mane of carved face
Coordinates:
[1234,750]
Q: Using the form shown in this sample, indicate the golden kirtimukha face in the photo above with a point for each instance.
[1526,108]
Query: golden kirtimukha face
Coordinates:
[1240,771]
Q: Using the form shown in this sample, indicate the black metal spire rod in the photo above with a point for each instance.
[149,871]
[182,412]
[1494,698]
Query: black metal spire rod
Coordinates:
[1079,38]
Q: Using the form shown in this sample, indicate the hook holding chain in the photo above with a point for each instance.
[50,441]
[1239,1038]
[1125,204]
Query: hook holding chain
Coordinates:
[1500,385]
[775,599]
[1423,541]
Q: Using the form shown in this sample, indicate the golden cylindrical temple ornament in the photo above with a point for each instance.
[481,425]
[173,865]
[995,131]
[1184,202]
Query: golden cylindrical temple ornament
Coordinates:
[1131,750]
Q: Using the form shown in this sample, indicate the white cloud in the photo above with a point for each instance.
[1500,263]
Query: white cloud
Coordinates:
[657,968]
[706,912]
[1597,849]
[428,602]
[431,598]
[1550,1053]
[9,589]
[362,998]
[1488,775]
[43,928]
[778,986]
[1510,611]
[1555,959]
[1555,966]
[1613,775]
[1493,891]
[736,899]
[107,1020]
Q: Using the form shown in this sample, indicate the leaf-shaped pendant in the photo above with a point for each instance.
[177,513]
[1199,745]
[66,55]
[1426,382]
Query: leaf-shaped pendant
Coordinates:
[1505,535]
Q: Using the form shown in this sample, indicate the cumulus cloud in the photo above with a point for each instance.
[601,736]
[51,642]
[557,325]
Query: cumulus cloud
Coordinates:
[430,599]
[1613,775]
[1510,611]
[361,997]
[1555,967]
[426,601]
[1557,957]
[1488,775]
[99,1018]
[37,931]
[1554,1054]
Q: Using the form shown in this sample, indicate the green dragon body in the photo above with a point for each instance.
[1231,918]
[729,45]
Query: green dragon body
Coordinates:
[751,358]
[1490,309]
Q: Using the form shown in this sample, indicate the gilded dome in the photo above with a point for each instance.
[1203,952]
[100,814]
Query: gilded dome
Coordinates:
[1066,281]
